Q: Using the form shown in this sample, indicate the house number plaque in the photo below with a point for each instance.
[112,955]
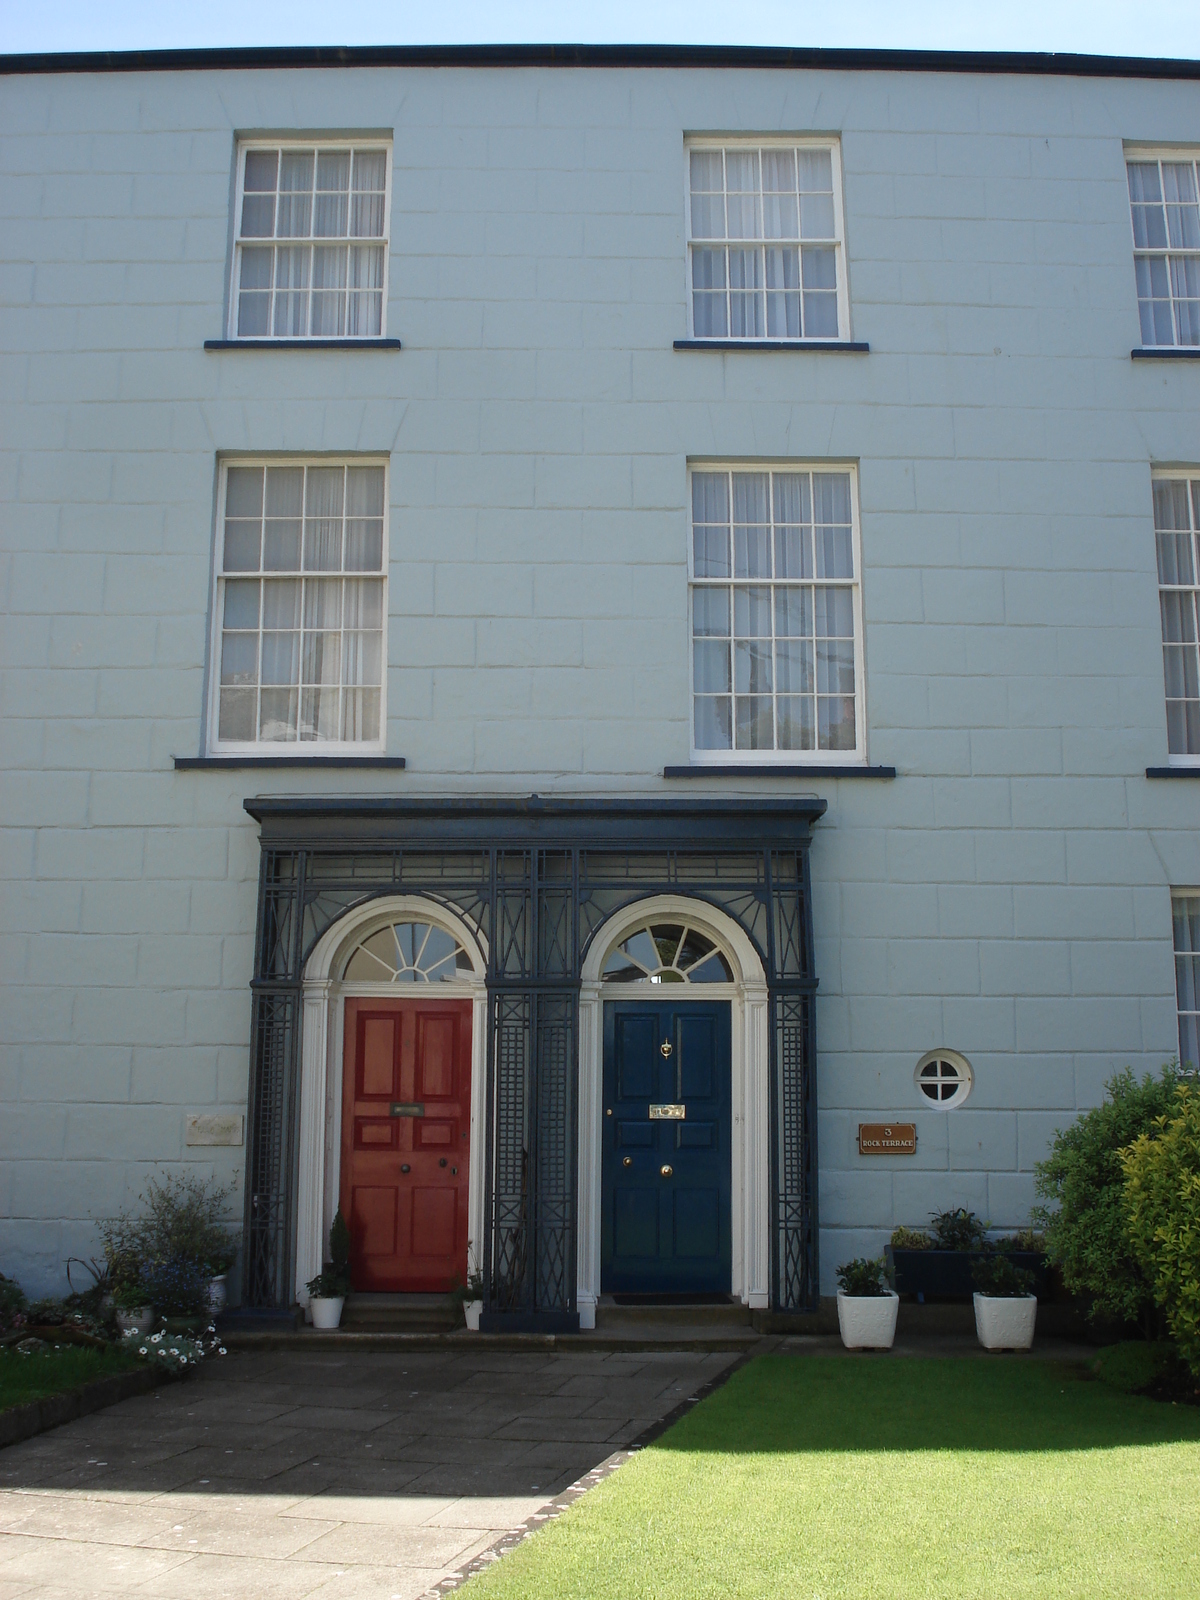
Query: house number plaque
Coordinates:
[668,1113]
[887,1138]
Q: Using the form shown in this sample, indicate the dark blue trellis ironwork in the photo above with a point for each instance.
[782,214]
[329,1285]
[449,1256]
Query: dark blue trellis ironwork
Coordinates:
[537,879]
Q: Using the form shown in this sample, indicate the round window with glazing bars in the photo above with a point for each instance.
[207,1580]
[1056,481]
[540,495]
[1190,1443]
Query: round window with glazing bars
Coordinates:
[407,953]
[943,1078]
[667,952]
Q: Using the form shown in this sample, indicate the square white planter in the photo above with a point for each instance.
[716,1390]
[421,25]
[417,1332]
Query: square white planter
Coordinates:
[471,1311]
[868,1322]
[1005,1322]
[326,1313]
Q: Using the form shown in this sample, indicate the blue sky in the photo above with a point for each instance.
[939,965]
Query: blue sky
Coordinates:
[1106,27]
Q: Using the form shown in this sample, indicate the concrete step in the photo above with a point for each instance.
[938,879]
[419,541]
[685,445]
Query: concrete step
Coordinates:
[400,1313]
[612,1317]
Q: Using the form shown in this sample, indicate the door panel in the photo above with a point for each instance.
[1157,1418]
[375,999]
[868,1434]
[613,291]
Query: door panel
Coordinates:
[408,1228]
[665,1209]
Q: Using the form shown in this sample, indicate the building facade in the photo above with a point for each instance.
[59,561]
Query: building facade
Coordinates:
[579,624]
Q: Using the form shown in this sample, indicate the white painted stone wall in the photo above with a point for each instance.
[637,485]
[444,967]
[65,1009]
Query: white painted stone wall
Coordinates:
[1007,895]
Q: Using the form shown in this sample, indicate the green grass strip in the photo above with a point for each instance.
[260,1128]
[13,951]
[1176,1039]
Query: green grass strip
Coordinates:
[43,1373]
[818,1478]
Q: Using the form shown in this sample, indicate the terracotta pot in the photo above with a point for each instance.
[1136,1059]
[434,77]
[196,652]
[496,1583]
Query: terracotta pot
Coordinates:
[326,1312]
[1005,1322]
[868,1321]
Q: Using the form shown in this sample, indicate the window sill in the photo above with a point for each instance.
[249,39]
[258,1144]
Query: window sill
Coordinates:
[1173,772]
[743,769]
[840,346]
[302,344]
[216,763]
[1166,352]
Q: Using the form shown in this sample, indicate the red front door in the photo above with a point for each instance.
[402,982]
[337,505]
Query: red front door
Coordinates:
[406,1122]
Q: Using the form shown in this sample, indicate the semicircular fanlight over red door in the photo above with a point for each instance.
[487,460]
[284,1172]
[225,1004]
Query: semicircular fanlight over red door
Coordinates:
[406,1122]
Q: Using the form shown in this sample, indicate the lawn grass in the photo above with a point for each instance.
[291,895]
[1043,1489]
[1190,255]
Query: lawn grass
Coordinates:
[43,1373]
[818,1478]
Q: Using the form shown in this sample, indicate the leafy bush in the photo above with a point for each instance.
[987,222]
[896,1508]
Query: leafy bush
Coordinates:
[910,1239]
[339,1243]
[183,1219]
[131,1296]
[863,1278]
[1162,1206]
[1023,1239]
[329,1284]
[177,1288]
[959,1229]
[994,1274]
[1086,1225]
[1136,1364]
[12,1305]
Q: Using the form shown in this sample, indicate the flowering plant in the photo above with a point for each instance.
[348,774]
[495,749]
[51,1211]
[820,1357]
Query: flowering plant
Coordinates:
[174,1352]
[176,1287]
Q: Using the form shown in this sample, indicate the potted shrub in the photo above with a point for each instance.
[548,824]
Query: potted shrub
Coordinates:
[182,1219]
[1005,1306]
[328,1290]
[866,1306]
[178,1289]
[133,1307]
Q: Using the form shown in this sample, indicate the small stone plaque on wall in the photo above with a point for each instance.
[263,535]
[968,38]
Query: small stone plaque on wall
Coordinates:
[214,1129]
[887,1138]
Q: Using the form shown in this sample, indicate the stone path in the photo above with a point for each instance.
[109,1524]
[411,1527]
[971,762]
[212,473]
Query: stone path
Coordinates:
[340,1474]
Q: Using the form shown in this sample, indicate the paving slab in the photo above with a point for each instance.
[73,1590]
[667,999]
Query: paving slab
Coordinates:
[360,1474]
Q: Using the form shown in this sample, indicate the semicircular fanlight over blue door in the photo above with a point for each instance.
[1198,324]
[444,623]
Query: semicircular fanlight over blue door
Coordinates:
[667,952]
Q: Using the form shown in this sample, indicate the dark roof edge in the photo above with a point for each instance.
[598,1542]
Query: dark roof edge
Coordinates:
[488,807]
[1040,64]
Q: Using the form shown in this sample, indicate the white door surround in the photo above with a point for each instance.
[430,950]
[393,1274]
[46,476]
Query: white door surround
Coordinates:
[321,1042]
[750,1149]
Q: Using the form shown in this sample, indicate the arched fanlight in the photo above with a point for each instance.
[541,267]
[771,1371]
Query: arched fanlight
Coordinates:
[666,952]
[408,952]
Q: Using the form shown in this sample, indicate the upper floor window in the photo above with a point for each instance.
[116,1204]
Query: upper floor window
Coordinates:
[310,252]
[300,606]
[1185,917]
[1164,201]
[776,614]
[1176,529]
[765,240]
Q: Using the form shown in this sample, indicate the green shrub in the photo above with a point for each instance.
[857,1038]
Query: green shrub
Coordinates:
[339,1243]
[910,1239]
[1086,1225]
[863,1278]
[1136,1364]
[995,1275]
[183,1219]
[1162,1204]
[959,1229]
[12,1305]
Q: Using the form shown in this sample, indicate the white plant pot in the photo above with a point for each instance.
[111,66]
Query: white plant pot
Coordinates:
[471,1310]
[326,1313]
[216,1295]
[1005,1322]
[140,1320]
[868,1322]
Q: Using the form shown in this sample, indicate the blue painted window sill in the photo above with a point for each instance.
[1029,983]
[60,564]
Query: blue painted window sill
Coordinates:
[1165,352]
[216,763]
[302,344]
[840,346]
[743,769]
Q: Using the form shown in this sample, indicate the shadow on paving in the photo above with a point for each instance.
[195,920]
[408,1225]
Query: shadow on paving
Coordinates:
[793,1404]
[365,1424]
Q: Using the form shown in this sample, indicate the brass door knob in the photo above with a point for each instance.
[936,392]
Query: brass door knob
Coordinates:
[628,1161]
[666,1171]
[666,1048]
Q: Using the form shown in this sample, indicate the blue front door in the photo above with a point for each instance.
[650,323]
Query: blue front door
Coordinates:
[666,1169]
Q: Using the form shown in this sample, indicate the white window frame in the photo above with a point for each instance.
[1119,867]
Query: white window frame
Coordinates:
[784,758]
[1180,894]
[289,749]
[235,269]
[760,142]
[1188,475]
[1159,153]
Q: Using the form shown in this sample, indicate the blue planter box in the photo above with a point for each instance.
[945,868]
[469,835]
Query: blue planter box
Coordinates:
[946,1274]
